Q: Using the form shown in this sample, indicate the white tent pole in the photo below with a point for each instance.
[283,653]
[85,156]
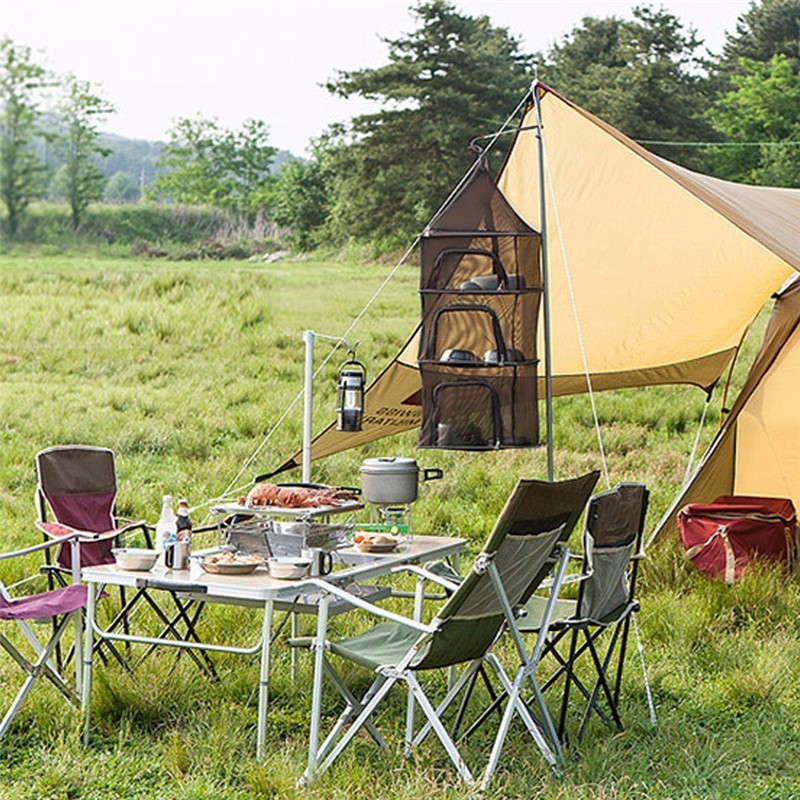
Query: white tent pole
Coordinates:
[548,367]
[308,338]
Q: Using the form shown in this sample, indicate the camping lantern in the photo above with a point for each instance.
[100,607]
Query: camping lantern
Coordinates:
[350,406]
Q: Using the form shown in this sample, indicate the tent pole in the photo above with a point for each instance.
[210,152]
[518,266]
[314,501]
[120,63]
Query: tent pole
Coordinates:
[308,338]
[548,368]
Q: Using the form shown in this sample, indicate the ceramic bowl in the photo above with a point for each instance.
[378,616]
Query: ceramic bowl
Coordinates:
[134,558]
[288,567]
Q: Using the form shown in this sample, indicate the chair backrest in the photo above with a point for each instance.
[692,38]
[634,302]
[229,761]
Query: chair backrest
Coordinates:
[537,516]
[79,484]
[612,534]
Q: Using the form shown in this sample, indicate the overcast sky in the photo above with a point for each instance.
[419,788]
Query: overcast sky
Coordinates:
[157,60]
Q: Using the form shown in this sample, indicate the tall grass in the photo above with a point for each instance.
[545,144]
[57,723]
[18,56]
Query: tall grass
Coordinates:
[150,227]
[182,369]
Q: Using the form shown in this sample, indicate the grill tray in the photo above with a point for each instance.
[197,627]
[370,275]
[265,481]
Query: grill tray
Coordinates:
[267,538]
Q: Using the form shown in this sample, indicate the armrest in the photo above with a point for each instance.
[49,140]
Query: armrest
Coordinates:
[61,533]
[131,524]
[567,579]
[370,608]
[71,537]
[427,574]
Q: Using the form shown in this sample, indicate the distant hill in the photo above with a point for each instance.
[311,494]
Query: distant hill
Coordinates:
[137,157]
[132,159]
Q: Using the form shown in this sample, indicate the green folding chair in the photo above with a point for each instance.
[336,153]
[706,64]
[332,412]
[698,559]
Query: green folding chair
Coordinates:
[612,549]
[528,542]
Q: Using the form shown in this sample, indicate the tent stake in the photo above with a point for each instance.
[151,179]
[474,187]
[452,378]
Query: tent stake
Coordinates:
[548,369]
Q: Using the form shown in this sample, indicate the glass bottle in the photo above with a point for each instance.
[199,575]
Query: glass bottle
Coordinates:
[183,524]
[166,526]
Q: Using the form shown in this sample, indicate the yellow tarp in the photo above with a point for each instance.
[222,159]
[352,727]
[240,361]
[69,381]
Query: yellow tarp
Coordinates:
[655,271]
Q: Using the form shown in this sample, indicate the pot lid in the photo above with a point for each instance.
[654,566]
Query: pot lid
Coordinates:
[390,465]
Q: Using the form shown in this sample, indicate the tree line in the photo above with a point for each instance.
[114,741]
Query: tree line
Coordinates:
[380,176]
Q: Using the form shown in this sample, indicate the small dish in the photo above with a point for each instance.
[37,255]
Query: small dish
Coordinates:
[228,563]
[136,559]
[288,567]
[378,544]
[230,568]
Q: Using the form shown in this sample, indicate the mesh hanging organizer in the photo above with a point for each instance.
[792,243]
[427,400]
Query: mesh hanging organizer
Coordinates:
[480,291]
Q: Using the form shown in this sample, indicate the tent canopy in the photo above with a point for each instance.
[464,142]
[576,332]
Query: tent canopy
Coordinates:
[655,271]
[757,450]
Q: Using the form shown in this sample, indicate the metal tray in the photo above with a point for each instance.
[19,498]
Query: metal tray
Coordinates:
[280,511]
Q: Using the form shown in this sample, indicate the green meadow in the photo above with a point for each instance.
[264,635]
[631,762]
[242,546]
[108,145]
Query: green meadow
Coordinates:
[183,369]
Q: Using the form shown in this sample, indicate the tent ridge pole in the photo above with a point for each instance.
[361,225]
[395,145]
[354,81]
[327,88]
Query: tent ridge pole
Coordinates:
[548,367]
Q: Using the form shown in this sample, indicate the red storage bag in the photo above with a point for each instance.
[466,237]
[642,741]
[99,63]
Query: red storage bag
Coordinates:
[723,537]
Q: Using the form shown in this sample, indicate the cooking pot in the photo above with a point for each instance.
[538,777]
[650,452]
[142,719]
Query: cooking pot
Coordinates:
[392,481]
[453,354]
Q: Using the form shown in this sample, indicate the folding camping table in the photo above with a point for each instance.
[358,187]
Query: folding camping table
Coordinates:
[256,590]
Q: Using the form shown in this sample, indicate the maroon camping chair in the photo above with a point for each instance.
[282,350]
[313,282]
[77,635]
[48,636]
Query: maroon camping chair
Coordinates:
[63,604]
[78,485]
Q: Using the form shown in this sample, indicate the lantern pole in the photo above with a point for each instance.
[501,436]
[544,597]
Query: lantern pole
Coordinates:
[308,407]
[309,337]
[548,366]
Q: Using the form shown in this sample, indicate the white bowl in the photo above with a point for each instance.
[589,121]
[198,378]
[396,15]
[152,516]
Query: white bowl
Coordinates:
[288,567]
[135,558]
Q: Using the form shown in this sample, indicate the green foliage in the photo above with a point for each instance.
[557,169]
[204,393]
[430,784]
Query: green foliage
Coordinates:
[452,78]
[81,111]
[766,29]
[203,163]
[50,224]
[301,199]
[643,76]
[762,106]
[121,188]
[21,82]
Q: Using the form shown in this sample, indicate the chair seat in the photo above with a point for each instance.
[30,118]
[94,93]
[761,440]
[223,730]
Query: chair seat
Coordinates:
[383,645]
[45,604]
[563,610]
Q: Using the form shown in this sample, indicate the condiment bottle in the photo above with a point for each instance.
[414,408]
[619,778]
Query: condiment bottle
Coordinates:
[183,524]
[166,526]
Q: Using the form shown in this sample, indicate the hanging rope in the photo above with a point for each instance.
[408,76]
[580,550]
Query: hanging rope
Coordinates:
[576,317]
[640,650]
[232,487]
[690,464]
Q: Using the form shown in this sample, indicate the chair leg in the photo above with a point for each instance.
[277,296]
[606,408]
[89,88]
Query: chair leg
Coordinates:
[34,670]
[354,706]
[601,683]
[452,693]
[515,704]
[496,701]
[438,727]
[562,719]
[623,646]
[170,627]
[324,762]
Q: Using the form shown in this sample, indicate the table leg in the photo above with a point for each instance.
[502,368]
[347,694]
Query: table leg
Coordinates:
[78,654]
[295,632]
[263,682]
[88,655]
[316,695]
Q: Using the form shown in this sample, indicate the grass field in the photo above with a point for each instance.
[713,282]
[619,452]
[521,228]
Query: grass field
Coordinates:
[182,370]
